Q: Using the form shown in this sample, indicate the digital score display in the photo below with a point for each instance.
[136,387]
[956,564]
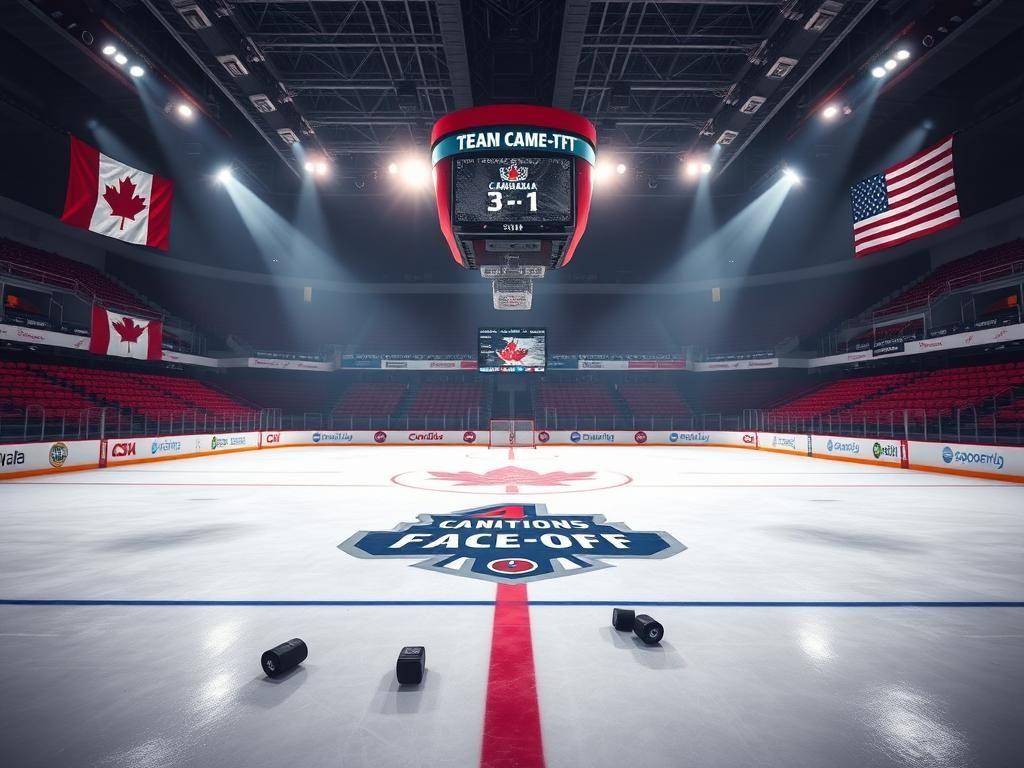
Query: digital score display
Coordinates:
[513,194]
[512,350]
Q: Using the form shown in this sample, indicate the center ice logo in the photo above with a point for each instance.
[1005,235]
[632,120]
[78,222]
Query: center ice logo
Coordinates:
[511,543]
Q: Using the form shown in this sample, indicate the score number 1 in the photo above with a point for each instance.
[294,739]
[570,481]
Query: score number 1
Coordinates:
[496,203]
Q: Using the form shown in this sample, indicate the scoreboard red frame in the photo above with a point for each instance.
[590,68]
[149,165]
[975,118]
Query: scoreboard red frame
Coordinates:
[522,116]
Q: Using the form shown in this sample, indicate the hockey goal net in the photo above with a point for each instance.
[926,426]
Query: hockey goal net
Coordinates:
[512,432]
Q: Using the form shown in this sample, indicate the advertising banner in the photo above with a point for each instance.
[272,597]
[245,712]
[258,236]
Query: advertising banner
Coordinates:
[996,461]
[784,442]
[22,459]
[866,450]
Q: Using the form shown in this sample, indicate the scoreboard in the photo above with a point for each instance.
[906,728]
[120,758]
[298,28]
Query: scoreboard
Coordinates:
[513,184]
[513,194]
[512,350]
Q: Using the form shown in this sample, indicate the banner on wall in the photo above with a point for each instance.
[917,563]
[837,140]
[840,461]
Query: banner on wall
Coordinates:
[125,336]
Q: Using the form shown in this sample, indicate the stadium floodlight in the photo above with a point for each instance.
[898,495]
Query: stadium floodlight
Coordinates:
[830,112]
[109,50]
[692,169]
[136,71]
[415,172]
[185,111]
[620,168]
[705,168]
[309,166]
[902,54]
[878,72]
[791,175]
[224,175]
[890,64]
[121,59]
[321,168]
[392,168]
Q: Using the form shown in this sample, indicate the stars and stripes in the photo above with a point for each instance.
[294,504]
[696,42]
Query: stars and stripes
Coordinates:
[909,200]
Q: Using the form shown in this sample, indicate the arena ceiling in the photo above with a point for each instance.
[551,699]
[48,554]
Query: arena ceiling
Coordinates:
[362,81]
[367,79]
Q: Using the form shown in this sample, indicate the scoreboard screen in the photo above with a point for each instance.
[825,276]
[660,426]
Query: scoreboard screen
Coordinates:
[513,194]
[512,350]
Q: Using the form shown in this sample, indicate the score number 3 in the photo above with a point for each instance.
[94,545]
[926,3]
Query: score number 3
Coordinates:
[496,203]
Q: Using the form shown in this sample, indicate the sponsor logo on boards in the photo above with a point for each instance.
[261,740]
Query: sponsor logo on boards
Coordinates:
[511,543]
[469,436]
[332,437]
[58,455]
[689,437]
[165,446]
[842,446]
[380,436]
[11,458]
[640,437]
[123,449]
[954,456]
[891,451]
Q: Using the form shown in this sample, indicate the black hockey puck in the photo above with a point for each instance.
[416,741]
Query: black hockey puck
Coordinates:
[283,657]
[648,630]
[412,661]
[622,619]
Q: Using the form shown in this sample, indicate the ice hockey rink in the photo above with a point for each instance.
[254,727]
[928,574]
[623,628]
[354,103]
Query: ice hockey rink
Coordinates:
[821,614]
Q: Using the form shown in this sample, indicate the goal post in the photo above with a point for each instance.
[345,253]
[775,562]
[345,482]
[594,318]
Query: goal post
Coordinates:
[517,433]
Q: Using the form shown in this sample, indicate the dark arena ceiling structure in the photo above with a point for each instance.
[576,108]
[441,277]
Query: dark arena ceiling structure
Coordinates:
[660,79]
[361,82]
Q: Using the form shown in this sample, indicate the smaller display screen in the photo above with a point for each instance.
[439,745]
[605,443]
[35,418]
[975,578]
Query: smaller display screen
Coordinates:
[512,350]
[513,194]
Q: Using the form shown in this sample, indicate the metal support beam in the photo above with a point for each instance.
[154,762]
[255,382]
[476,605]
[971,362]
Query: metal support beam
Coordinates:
[574,24]
[453,35]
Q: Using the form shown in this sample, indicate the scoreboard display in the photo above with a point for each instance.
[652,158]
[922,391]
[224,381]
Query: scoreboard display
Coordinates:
[513,194]
[512,350]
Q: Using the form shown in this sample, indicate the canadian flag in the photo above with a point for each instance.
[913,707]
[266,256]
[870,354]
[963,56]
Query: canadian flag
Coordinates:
[125,336]
[116,200]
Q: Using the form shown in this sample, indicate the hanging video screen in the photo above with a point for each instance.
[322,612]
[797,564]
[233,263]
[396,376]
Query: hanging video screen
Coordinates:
[513,194]
[512,350]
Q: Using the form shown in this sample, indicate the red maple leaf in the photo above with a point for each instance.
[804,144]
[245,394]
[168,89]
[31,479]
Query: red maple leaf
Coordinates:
[129,331]
[123,201]
[511,477]
[513,353]
[513,173]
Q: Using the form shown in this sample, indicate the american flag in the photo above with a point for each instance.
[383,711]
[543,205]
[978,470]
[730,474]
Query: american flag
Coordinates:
[911,199]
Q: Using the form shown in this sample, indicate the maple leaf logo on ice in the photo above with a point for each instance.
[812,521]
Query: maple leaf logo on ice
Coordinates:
[511,478]
[129,331]
[513,353]
[514,173]
[123,201]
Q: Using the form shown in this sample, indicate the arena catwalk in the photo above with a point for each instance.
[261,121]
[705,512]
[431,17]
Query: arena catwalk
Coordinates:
[815,612]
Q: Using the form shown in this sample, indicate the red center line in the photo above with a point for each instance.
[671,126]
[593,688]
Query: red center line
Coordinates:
[512,736]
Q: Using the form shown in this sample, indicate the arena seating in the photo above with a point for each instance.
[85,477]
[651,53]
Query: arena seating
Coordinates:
[69,390]
[69,275]
[941,393]
[841,394]
[663,400]
[22,387]
[293,393]
[380,399]
[574,400]
[731,393]
[961,273]
[447,400]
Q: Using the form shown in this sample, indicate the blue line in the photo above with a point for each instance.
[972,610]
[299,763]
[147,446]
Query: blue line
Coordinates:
[537,603]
